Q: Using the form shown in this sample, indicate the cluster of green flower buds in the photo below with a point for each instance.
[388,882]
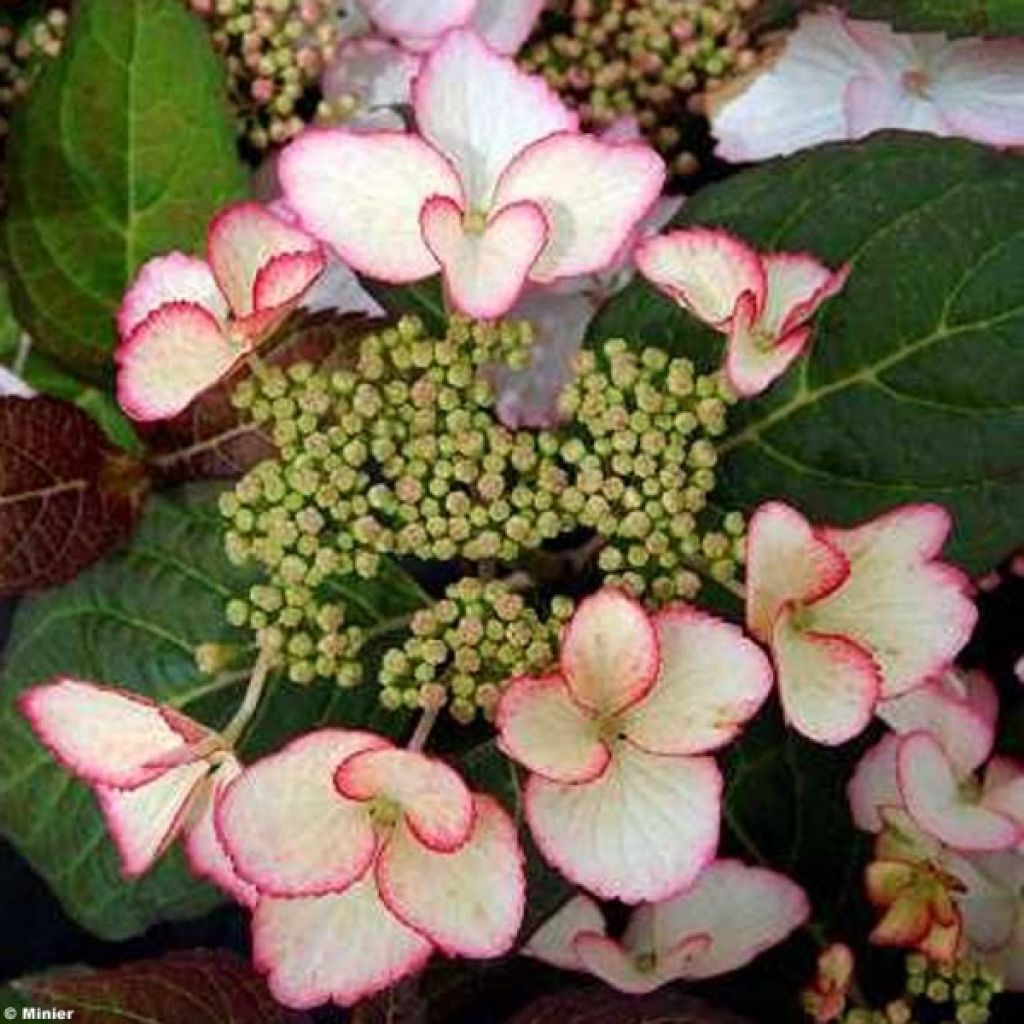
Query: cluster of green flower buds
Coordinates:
[957,993]
[649,59]
[402,456]
[274,52]
[23,50]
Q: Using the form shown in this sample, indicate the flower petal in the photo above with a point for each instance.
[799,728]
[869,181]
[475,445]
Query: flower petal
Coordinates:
[873,104]
[743,910]
[170,358]
[712,680]
[484,272]
[642,831]
[875,784]
[828,684]
[468,903]
[206,854]
[797,285]
[414,18]
[362,194]
[144,821]
[753,360]
[610,655]
[990,903]
[434,800]
[171,278]
[787,560]
[102,735]
[343,947]
[481,112]
[243,240]
[936,802]
[912,614]
[506,24]
[606,959]
[706,270]
[378,76]
[592,193]
[542,728]
[287,829]
[1004,789]
[553,941]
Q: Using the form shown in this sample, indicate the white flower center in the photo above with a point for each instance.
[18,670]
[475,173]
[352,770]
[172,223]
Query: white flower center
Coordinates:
[917,82]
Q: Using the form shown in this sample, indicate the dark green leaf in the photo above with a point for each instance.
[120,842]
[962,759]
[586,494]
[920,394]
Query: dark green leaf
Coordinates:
[912,389]
[123,150]
[955,17]
[136,621]
[423,299]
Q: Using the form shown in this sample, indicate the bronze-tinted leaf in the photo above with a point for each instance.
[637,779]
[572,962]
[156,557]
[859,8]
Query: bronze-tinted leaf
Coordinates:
[598,1005]
[66,494]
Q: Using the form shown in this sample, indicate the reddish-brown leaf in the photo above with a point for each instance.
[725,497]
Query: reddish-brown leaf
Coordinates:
[66,494]
[598,1005]
[197,987]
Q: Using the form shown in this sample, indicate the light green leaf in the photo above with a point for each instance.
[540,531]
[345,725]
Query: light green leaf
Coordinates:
[912,390]
[122,150]
[135,621]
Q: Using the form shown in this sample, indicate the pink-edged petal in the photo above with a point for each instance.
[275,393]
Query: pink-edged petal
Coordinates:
[378,76]
[553,941]
[143,822]
[484,271]
[937,803]
[979,87]
[206,854]
[418,19]
[434,800]
[482,111]
[541,727]
[171,278]
[468,903]
[959,711]
[633,973]
[592,193]
[171,358]
[787,560]
[12,386]
[796,101]
[872,104]
[797,285]
[754,359]
[875,784]
[913,615]
[1004,789]
[704,269]
[712,680]
[744,910]
[288,830]
[610,656]
[362,194]
[642,831]
[506,24]
[243,240]
[990,904]
[828,684]
[341,947]
[102,735]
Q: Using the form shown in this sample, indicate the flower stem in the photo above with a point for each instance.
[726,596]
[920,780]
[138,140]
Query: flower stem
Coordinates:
[253,694]
[423,729]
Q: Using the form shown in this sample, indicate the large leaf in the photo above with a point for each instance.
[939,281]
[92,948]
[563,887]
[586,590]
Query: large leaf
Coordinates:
[200,987]
[912,391]
[599,1005]
[135,621]
[956,17]
[123,150]
[66,495]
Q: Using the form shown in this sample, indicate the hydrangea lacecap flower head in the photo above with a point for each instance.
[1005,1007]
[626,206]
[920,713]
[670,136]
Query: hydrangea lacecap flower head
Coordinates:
[730,915]
[497,189]
[371,855]
[185,323]
[156,773]
[853,616]
[839,78]
[763,302]
[623,797]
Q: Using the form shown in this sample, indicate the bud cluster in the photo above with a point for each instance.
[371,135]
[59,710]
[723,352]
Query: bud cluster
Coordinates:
[402,456]
[22,53]
[649,59]
[274,52]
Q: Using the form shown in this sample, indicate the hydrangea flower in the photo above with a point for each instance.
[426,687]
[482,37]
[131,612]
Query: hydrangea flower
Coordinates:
[839,78]
[853,616]
[367,858]
[368,83]
[825,999]
[623,797]
[762,302]
[185,323]
[497,189]
[730,915]
[156,773]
